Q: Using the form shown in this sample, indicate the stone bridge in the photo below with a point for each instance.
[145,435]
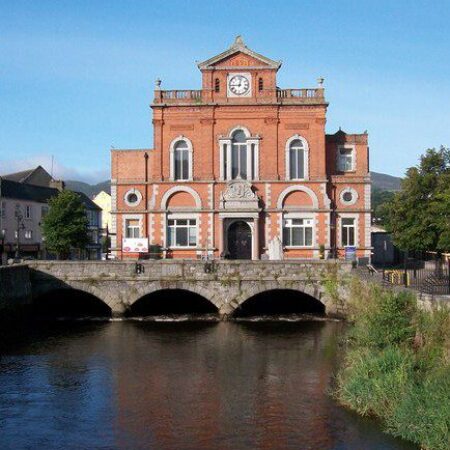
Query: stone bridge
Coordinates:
[226,284]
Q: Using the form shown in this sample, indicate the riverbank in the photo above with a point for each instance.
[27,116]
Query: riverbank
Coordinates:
[397,364]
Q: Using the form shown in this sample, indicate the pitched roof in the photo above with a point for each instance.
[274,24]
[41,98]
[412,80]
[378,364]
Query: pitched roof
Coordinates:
[21,191]
[40,194]
[87,202]
[19,176]
[238,46]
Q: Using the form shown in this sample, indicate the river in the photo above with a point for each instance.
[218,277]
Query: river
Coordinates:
[177,386]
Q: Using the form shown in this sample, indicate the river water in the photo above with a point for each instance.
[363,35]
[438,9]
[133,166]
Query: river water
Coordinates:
[179,385]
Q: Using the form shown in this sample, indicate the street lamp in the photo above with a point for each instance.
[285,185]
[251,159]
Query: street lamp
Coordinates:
[20,226]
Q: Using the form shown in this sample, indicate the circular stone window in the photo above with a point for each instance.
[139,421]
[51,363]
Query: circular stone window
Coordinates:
[133,197]
[348,196]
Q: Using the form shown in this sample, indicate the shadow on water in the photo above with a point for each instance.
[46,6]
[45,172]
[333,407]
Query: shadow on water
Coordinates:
[172,303]
[280,302]
[69,303]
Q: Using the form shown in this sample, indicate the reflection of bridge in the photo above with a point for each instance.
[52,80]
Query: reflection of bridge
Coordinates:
[224,284]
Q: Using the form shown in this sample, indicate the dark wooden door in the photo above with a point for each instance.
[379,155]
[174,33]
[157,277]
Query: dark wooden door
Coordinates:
[240,241]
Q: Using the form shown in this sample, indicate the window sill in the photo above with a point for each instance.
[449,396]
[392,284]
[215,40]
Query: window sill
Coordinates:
[298,247]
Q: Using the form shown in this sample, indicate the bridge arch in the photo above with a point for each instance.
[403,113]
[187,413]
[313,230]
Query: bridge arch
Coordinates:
[67,301]
[173,298]
[276,299]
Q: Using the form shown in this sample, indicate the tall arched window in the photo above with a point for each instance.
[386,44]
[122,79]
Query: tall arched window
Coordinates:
[181,154]
[181,159]
[297,158]
[239,155]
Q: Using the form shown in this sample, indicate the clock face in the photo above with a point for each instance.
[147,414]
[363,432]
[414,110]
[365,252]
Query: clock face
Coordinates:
[239,84]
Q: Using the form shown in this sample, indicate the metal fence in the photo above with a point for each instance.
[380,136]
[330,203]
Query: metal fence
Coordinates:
[429,273]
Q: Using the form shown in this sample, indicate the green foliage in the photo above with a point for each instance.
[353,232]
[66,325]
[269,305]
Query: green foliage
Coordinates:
[66,225]
[397,365]
[380,205]
[418,216]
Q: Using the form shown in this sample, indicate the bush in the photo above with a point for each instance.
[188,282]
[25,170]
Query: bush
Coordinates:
[397,365]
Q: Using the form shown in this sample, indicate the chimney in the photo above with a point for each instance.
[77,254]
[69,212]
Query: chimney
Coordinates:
[58,184]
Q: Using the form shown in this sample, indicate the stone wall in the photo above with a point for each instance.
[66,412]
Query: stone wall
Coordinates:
[15,287]
[226,284]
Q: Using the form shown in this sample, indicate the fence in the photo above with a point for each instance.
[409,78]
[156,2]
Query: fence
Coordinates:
[429,274]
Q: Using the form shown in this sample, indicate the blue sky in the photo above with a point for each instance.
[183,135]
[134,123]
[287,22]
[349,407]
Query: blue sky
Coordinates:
[76,77]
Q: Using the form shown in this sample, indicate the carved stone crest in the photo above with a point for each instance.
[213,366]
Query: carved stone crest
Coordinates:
[239,195]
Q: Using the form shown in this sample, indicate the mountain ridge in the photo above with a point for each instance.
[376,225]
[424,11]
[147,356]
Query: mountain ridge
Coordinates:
[380,181]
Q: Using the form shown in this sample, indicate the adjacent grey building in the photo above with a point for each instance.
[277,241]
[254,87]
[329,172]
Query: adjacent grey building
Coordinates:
[24,200]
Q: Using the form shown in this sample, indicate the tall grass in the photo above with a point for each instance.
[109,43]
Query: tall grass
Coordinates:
[397,365]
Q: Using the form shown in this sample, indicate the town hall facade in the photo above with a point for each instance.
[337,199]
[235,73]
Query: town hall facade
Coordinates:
[242,169]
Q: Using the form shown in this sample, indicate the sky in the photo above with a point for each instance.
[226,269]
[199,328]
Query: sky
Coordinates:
[77,77]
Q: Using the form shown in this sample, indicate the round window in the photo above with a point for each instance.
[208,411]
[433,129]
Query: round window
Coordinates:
[132,198]
[347,197]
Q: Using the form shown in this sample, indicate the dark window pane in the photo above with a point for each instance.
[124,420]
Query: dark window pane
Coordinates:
[286,240]
[182,237]
[234,161]
[243,162]
[297,236]
[308,236]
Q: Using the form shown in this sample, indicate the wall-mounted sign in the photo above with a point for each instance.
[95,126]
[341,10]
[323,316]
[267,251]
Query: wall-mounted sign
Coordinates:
[350,253]
[135,245]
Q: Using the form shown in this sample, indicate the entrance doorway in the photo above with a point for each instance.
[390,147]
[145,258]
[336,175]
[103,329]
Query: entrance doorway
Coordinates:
[240,240]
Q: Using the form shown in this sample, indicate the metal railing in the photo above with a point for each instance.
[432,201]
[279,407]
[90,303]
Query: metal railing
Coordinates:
[429,274]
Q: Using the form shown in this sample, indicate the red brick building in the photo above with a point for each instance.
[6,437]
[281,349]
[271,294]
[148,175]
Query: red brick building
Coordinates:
[242,169]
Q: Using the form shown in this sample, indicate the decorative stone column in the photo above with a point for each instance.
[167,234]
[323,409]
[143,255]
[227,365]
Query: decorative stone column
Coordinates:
[255,249]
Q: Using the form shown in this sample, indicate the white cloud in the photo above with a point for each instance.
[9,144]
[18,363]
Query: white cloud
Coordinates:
[59,170]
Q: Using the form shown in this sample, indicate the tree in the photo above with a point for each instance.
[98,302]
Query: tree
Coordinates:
[380,205]
[65,226]
[419,215]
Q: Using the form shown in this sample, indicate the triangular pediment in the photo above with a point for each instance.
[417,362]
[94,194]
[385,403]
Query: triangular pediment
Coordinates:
[239,55]
[240,59]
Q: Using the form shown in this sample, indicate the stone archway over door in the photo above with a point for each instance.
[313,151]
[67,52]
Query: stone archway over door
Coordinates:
[239,238]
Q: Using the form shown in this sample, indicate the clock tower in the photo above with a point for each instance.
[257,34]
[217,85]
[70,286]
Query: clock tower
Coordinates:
[239,74]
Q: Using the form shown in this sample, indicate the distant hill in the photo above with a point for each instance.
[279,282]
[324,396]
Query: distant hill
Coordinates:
[384,182]
[380,181]
[89,189]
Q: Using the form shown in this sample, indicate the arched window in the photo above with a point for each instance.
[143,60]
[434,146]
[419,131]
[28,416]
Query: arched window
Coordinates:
[181,155]
[181,159]
[297,158]
[239,155]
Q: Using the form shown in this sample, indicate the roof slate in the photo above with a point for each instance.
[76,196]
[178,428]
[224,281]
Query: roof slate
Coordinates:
[20,191]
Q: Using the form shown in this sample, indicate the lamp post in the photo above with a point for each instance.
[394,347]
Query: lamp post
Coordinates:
[2,239]
[20,226]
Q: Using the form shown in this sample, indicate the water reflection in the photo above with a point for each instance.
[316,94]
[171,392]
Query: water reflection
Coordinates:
[185,385]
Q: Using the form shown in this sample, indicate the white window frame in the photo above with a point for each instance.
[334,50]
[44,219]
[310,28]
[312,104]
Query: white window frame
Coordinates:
[355,218]
[303,216]
[172,158]
[176,217]
[125,228]
[28,234]
[138,195]
[28,212]
[305,156]
[225,154]
[339,165]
